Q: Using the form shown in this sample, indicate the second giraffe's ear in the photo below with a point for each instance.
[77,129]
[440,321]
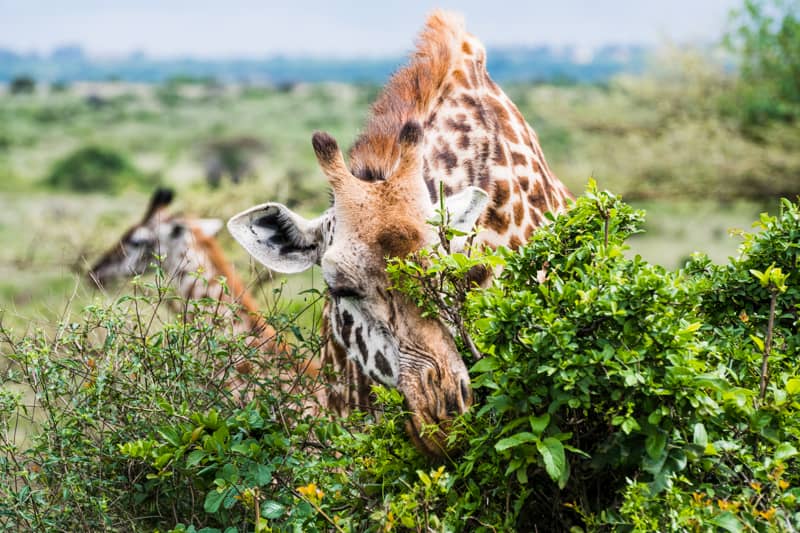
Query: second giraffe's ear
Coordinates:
[278,238]
[465,208]
[208,226]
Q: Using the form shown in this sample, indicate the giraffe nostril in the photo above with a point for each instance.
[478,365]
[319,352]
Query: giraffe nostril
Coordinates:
[430,375]
[466,394]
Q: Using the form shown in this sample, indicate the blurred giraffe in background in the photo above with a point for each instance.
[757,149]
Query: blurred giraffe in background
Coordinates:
[194,264]
[440,123]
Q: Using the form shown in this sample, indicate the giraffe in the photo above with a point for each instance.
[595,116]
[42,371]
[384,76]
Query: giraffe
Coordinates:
[194,264]
[439,122]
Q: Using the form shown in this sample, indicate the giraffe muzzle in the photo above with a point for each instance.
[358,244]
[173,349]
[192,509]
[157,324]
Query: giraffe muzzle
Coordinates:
[434,397]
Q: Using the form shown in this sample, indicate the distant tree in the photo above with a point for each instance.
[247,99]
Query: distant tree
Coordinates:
[59,86]
[765,35]
[95,169]
[22,85]
[232,157]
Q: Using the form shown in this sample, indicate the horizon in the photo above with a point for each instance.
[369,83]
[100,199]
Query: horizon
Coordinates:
[245,29]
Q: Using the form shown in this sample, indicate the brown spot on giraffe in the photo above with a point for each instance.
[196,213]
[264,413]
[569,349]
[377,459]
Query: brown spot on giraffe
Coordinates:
[536,197]
[501,193]
[529,232]
[381,362]
[503,120]
[458,125]
[469,166]
[496,220]
[519,159]
[447,158]
[499,156]
[461,79]
[519,213]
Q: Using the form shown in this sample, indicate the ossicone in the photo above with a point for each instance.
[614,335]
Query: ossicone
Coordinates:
[161,197]
[325,147]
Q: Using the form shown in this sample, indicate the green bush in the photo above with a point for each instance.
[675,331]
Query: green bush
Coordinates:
[615,394]
[95,169]
[611,394]
[766,37]
[74,401]
[22,85]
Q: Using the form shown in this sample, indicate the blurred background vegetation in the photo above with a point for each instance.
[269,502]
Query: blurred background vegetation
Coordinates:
[702,138]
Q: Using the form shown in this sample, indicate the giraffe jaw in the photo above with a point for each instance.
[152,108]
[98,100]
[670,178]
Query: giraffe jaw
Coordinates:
[434,398]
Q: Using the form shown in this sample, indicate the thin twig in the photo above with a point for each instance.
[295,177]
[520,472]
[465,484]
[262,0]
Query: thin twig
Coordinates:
[768,345]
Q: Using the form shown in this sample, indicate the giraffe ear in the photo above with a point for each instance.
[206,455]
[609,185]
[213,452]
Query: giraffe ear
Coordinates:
[278,238]
[465,208]
[208,226]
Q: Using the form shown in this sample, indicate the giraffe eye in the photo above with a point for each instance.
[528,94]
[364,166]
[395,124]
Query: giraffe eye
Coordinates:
[137,243]
[176,232]
[345,292]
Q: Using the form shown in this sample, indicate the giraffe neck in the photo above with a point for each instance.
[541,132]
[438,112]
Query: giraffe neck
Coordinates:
[200,276]
[204,265]
[475,135]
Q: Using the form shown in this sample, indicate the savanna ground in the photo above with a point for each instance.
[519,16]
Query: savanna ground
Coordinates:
[659,140]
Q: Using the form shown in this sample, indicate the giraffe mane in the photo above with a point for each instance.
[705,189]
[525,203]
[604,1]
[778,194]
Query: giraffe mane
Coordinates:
[235,285]
[410,94]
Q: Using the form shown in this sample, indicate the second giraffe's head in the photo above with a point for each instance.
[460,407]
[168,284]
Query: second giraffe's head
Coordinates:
[378,212]
[159,238]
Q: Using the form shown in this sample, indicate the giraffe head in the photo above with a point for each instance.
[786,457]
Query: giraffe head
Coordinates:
[158,235]
[372,219]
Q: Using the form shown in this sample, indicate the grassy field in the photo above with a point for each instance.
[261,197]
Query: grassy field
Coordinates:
[652,140]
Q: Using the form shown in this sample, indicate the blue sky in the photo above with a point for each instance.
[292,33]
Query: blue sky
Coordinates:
[250,28]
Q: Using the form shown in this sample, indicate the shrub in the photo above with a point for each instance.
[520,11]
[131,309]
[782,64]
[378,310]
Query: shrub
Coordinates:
[95,169]
[22,85]
[232,157]
[615,394]
[94,388]
[611,394]
[766,36]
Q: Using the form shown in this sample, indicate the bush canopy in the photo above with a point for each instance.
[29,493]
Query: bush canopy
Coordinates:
[611,394]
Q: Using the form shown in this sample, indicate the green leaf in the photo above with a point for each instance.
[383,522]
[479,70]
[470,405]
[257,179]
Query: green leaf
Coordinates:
[727,521]
[170,435]
[425,478]
[229,473]
[195,457]
[260,474]
[784,451]
[516,440]
[793,386]
[655,444]
[272,510]
[629,425]
[552,452]
[700,436]
[758,342]
[539,423]
[214,500]
[487,364]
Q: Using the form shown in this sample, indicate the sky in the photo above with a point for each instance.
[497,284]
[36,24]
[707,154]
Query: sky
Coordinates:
[252,28]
